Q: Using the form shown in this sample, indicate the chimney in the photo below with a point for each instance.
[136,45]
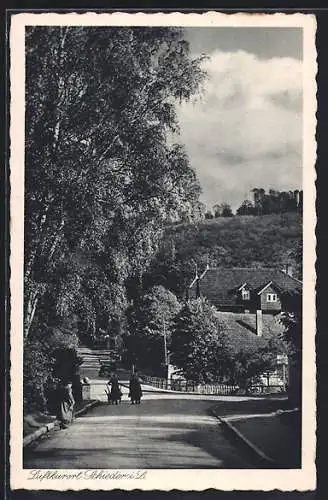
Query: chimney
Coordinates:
[288,270]
[259,323]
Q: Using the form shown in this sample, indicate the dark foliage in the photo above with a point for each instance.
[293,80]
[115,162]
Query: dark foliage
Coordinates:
[101,178]
[48,358]
[202,351]
[267,241]
[149,329]
[197,342]
[273,202]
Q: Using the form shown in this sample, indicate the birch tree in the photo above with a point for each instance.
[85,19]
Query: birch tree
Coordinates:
[102,177]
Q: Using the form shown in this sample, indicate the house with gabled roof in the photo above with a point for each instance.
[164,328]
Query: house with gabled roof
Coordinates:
[249,303]
[245,289]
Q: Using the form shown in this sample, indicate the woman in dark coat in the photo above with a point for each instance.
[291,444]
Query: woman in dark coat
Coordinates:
[115,391]
[65,404]
[135,392]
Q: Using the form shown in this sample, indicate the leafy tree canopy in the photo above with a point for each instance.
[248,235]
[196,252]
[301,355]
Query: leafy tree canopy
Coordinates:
[197,342]
[243,366]
[102,176]
[150,323]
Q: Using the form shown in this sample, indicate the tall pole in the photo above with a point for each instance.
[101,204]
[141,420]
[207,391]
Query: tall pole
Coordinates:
[165,342]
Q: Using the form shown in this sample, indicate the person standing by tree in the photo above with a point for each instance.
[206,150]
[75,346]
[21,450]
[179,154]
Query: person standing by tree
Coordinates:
[65,404]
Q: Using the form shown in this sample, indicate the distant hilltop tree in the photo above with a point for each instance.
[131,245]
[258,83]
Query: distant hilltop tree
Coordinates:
[273,202]
[246,208]
[222,210]
[209,214]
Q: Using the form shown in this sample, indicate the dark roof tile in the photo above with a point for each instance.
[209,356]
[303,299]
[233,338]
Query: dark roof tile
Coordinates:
[218,285]
[241,329]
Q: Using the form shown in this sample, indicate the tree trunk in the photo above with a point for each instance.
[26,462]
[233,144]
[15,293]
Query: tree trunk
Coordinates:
[34,293]
[30,310]
[56,241]
[43,218]
[60,89]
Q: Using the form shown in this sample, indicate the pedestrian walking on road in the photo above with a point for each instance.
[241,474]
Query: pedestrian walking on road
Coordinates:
[115,393]
[65,404]
[135,392]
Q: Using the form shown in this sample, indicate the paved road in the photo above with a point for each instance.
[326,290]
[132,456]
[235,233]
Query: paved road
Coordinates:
[165,431]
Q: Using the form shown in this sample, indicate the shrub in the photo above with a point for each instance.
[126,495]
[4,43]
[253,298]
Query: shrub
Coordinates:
[49,354]
[37,375]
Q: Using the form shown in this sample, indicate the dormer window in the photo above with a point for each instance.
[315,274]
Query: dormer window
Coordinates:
[245,294]
[271,297]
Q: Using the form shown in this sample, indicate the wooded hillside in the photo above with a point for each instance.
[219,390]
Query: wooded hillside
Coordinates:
[273,240]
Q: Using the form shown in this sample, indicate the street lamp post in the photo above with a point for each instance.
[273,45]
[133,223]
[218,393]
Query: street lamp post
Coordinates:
[165,342]
[165,348]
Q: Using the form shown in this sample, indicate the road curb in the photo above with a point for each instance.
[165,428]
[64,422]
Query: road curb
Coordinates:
[244,439]
[42,430]
[87,407]
[48,427]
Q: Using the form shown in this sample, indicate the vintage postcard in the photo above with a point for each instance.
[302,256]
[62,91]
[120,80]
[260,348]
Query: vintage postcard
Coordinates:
[162,238]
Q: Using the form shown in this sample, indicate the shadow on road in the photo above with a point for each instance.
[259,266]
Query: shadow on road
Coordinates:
[160,433]
[218,447]
[249,406]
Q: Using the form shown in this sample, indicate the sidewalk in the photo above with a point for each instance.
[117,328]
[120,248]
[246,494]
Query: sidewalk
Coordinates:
[274,437]
[38,424]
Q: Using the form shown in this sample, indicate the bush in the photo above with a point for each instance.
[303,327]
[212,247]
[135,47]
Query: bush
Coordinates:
[49,354]
[37,371]
[245,367]
[66,363]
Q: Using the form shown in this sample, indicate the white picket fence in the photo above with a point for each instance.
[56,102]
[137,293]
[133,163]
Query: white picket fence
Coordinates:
[181,385]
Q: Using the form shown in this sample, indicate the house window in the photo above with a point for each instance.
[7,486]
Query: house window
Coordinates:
[245,294]
[271,297]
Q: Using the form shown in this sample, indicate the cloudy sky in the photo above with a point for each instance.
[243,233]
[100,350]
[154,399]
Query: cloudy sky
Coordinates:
[245,130]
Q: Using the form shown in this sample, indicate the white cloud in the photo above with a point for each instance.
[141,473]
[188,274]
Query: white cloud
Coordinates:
[246,129]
